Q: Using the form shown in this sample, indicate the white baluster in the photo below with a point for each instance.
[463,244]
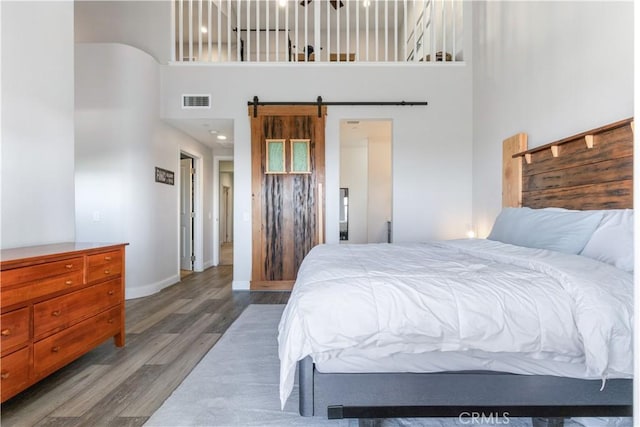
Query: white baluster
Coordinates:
[190,30]
[444,31]
[247,49]
[454,18]
[181,31]
[357,30]
[199,30]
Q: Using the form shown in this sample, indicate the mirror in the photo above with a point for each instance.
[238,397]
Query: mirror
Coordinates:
[344,214]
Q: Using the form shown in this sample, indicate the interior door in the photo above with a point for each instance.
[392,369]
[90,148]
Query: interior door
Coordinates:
[186,214]
[288,203]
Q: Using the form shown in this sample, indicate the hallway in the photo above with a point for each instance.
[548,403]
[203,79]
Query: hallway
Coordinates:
[226,253]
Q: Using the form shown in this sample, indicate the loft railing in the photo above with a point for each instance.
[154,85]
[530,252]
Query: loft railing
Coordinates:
[256,31]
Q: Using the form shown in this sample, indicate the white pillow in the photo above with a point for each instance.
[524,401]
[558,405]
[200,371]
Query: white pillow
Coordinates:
[612,241]
[559,231]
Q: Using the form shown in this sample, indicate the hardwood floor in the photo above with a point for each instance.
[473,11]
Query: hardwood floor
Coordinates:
[226,253]
[167,335]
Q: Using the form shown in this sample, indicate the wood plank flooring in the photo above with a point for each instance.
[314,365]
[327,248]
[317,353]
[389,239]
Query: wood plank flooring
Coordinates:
[167,335]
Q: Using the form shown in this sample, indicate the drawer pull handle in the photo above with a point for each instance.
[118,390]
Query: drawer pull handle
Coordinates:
[111,292]
[5,332]
[4,375]
[55,349]
[68,266]
[56,313]
[68,282]
[110,321]
[107,258]
[107,271]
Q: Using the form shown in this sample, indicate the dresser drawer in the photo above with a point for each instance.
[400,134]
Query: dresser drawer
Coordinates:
[104,265]
[57,313]
[16,276]
[57,350]
[14,373]
[29,291]
[14,329]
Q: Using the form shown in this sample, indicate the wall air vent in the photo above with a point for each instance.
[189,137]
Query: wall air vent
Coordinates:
[196,101]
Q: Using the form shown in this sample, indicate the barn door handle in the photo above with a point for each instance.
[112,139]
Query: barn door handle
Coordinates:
[320,219]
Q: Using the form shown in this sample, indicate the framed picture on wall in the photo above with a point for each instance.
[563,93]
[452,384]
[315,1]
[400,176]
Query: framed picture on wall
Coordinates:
[164,176]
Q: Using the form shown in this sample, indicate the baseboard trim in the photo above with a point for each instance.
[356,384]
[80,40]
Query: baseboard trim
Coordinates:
[144,291]
[240,285]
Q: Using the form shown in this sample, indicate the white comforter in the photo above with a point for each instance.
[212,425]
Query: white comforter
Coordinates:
[459,295]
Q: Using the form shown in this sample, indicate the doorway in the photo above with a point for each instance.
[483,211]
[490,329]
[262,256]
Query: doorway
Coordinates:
[365,181]
[226,212]
[187,214]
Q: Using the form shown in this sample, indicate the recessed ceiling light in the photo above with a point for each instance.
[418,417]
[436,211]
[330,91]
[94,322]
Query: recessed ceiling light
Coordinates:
[221,137]
[213,132]
[204,30]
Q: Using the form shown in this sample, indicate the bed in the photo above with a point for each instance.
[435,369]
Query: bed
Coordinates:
[519,324]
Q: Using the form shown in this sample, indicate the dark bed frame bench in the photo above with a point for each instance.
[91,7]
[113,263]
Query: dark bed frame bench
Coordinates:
[454,394]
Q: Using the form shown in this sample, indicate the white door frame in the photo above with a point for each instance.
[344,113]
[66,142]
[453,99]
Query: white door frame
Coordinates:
[216,206]
[186,213]
[198,224]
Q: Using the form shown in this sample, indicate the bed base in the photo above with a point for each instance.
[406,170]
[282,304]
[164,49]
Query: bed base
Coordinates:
[537,422]
[459,394]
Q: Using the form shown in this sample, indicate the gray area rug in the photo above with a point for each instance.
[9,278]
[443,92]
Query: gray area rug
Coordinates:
[236,384]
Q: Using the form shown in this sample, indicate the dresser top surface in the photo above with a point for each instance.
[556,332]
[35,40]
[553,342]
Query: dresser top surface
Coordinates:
[11,256]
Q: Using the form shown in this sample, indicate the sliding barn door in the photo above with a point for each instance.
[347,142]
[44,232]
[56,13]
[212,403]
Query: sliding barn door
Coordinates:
[287,150]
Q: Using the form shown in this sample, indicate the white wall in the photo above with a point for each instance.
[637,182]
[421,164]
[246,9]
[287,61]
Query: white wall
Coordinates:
[431,145]
[379,188]
[354,175]
[120,139]
[145,24]
[550,69]
[37,123]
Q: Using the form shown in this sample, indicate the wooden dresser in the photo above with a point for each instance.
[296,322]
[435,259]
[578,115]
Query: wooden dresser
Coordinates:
[57,302]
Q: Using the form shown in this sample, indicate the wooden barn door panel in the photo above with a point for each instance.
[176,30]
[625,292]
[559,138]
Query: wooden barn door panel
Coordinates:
[287,208]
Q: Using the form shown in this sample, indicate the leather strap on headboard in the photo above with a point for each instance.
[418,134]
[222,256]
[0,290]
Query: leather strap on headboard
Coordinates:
[590,170]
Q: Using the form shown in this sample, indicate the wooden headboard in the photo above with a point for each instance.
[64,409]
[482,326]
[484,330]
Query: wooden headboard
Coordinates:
[590,170]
